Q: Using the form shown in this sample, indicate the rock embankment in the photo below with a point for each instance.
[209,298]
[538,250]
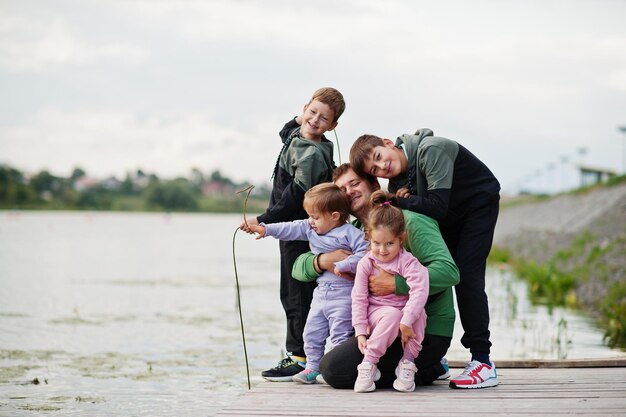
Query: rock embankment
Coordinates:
[582,233]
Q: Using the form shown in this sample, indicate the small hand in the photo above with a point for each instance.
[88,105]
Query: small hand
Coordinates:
[406,333]
[245,225]
[403,193]
[344,275]
[362,341]
[260,230]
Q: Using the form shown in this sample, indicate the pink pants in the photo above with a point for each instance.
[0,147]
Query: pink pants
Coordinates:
[384,322]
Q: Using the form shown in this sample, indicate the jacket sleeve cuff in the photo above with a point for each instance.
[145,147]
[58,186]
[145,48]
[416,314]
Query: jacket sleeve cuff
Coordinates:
[360,330]
[402,288]
[303,269]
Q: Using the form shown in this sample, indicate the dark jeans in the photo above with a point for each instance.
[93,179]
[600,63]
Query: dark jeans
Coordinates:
[469,240]
[295,296]
[338,367]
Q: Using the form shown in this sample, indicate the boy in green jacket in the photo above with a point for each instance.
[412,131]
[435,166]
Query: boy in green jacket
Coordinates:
[424,241]
[305,160]
[440,178]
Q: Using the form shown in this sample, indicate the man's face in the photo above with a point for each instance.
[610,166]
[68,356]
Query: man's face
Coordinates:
[357,189]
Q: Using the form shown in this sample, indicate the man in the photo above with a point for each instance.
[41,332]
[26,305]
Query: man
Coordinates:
[424,241]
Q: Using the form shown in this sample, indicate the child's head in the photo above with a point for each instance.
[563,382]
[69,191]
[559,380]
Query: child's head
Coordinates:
[371,155]
[332,98]
[327,206]
[385,226]
[321,113]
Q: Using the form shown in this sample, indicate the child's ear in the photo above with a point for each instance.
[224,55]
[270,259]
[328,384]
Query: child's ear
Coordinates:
[335,215]
[333,126]
[389,143]
[403,237]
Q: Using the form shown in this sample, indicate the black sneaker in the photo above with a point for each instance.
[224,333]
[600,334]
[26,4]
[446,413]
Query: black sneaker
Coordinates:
[285,370]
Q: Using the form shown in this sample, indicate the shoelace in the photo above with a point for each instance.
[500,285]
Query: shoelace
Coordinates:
[405,373]
[285,362]
[365,373]
[469,367]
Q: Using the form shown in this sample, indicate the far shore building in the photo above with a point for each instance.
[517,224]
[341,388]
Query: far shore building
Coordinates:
[594,175]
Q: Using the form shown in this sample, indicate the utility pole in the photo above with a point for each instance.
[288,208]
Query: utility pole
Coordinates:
[623,130]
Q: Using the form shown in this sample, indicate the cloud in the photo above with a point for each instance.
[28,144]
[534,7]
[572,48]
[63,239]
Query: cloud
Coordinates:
[37,45]
[111,143]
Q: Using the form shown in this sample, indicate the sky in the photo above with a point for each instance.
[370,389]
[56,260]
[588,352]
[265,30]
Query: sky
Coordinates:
[533,88]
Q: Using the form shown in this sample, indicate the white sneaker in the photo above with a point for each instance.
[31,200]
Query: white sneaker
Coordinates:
[405,373]
[476,375]
[320,379]
[368,374]
[446,367]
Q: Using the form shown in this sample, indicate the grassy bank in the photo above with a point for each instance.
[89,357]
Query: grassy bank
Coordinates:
[582,270]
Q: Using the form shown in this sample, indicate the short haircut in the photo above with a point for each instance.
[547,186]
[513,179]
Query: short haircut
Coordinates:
[385,213]
[361,150]
[327,197]
[343,168]
[332,98]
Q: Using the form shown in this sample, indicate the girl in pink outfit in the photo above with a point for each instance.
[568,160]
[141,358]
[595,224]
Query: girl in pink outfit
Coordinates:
[378,320]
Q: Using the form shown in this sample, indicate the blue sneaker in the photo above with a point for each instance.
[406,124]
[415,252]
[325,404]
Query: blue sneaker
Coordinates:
[446,368]
[308,376]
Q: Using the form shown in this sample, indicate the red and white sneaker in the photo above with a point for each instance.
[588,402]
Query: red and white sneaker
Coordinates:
[476,375]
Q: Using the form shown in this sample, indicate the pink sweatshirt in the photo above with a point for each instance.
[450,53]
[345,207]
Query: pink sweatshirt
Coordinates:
[412,306]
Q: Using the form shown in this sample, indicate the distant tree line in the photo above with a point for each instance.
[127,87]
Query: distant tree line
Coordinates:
[138,191]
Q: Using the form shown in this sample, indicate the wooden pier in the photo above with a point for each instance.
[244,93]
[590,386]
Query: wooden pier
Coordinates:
[529,388]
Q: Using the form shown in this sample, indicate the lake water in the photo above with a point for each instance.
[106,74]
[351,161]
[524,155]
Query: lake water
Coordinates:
[125,314]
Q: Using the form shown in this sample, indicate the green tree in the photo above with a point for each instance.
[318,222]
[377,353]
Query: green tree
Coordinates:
[44,181]
[177,195]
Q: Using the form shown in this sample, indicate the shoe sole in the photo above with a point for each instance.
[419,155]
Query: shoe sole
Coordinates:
[402,389]
[304,381]
[444,376]
[368,389]
[279,378]
[491,382]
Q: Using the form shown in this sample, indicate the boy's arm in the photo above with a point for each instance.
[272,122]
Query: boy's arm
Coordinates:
[289,127]
[436,164]
[434,205]
[290,202]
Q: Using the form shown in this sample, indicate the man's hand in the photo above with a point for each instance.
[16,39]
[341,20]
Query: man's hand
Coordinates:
[382,282]
[326,261]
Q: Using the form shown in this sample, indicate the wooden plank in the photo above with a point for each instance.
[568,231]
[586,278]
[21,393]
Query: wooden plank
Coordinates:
[522,392]
[556,363]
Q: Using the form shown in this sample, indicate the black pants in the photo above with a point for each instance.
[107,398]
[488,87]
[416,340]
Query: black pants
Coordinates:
[338,367]
[295,296]
[469,240]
